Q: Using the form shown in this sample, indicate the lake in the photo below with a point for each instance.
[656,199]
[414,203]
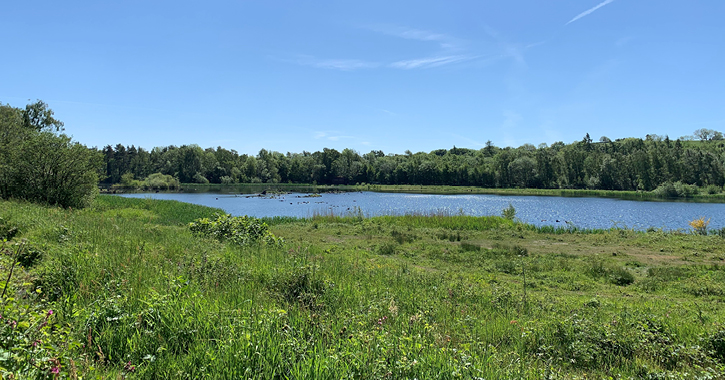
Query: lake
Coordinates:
[539,210]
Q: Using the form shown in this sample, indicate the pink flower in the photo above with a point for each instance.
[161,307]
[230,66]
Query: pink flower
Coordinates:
[50,312]
[55,370]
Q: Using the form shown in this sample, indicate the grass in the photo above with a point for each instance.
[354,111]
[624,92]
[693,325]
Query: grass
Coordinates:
[137,295]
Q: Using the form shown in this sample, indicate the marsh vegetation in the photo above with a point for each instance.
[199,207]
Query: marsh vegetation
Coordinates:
[126,288]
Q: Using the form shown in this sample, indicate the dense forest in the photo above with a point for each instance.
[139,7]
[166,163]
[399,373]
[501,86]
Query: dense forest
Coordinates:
[38,162]
[622,164]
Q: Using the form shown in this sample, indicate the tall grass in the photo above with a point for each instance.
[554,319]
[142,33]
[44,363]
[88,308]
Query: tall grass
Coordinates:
[149,300]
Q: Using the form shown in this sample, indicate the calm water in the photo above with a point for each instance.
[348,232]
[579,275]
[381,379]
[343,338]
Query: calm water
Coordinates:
[581,212]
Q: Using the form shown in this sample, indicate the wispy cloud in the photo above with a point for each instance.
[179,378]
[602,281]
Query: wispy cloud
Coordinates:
[336,64]
[450,50]
[445,41]
[589,11]
[331,135]
[428,62]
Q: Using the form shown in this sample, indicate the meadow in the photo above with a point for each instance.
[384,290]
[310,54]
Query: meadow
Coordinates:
[126,289]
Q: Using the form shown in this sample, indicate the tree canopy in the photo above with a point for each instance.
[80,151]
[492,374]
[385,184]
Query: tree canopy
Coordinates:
[40,164]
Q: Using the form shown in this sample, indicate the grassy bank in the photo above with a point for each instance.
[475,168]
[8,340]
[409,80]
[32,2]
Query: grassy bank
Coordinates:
[133,293]
[698,195]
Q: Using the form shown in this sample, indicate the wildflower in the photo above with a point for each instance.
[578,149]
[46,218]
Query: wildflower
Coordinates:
[513,322]
[128,367]
[13,324]
[55,370]
[50,312]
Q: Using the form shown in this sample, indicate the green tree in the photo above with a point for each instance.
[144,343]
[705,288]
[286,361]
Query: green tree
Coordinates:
[40,164]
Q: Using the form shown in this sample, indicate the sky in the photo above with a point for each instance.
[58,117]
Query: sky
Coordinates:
[299,75]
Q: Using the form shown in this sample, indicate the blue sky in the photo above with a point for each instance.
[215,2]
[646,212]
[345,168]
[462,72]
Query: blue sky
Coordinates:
[294,75]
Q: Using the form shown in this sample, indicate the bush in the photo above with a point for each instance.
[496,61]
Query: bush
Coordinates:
[715,345]
[712,189]
[700,225]
[7,230]
[302,286]
[158,181]
[240,230]
[684,190]
[666,190]
[509,212]
[621,277]
[675,190]
[39,165]
[198,178]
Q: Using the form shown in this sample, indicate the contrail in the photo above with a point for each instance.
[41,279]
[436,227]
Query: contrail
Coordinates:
[589,11]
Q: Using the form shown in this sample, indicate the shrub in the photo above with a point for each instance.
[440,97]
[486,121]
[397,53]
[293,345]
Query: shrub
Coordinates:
[198,178]
[158,181]
[684,190]
[509,212]
[621,277]
[301,285]
[39,164]
[675,190]
[7,230]
[666,190]
[700,225]
[712,189]
[386,249]
[240,230]
[715,345]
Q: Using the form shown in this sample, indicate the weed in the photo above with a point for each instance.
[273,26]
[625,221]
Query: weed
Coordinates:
[699,225]
[509,213]
[386,249]
[301,286]
[715,345]
[620,276]
[7,230]
[470,247]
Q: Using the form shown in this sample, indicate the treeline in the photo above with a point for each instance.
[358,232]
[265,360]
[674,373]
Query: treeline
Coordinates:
[623,164]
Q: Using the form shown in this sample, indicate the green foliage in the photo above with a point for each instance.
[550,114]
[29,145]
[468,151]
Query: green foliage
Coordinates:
[241,230]
[715,344]
[150,300]
[653,167]
[509,212]
[301,285]
[33,344]
[7,230]
[158,181]
[38,165]
[616,275]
